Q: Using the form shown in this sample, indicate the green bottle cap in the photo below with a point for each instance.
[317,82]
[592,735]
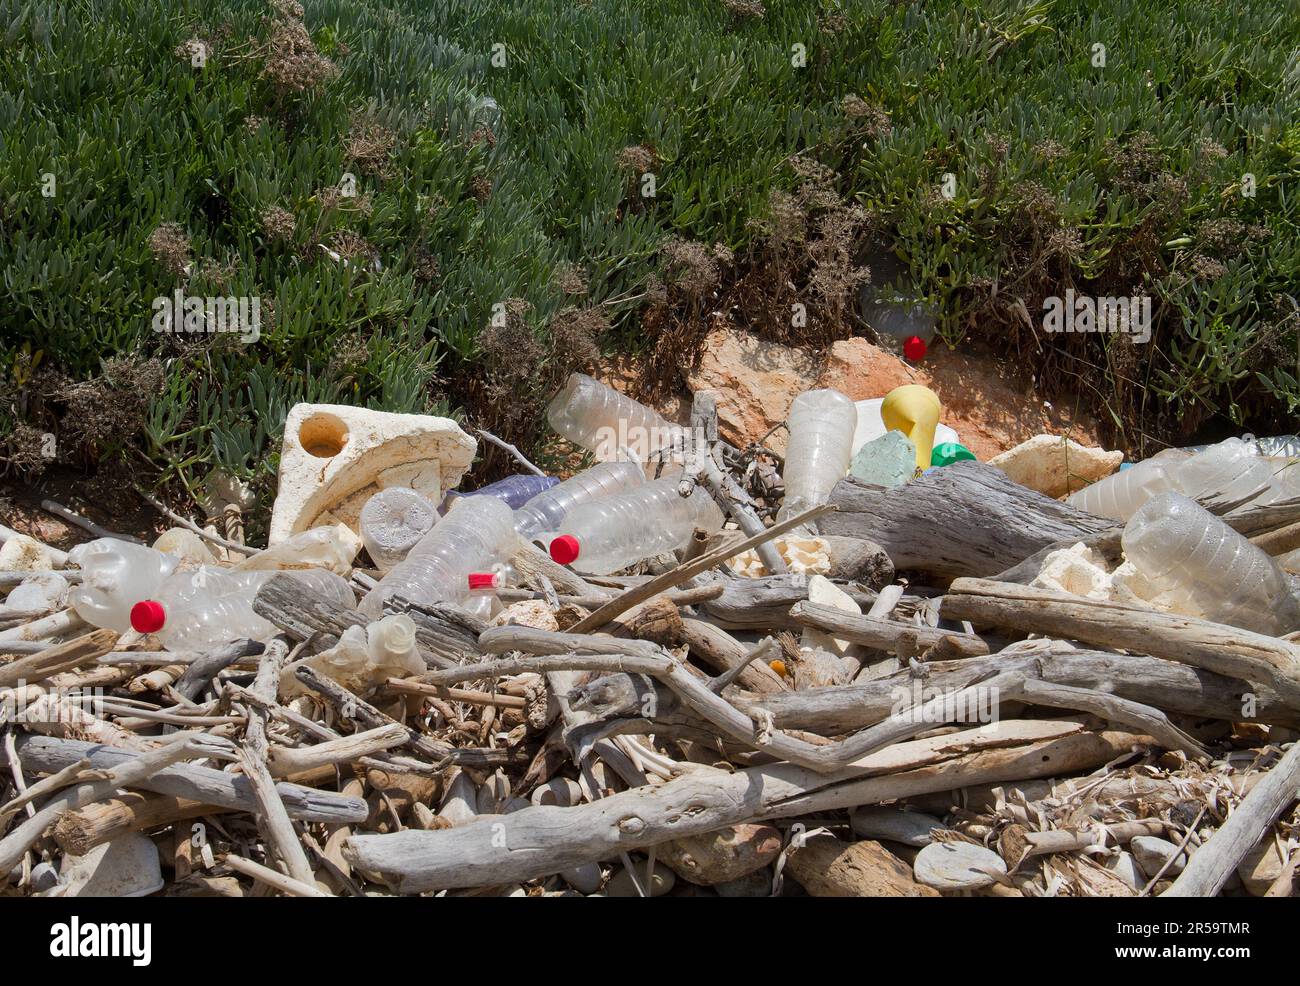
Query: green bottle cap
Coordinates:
[950,452]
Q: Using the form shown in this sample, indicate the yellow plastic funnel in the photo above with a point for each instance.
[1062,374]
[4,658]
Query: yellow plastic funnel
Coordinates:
[913,410]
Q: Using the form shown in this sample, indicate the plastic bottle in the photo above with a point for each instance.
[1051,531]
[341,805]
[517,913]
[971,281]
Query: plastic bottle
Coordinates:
[819,449]
[546,511]
[1119,496]
[330,546]
[515,491]
[619,530]
[1229,470]
[392,523]
[1204,567]
[115,575]
[602,420]
[476,532]
[482,599]
[199,608]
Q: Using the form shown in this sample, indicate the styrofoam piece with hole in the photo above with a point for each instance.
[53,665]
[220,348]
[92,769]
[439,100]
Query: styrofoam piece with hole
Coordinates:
[334,457]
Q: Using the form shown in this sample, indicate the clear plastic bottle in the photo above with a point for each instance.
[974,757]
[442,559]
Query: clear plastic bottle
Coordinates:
[1204,567]
[619,530]
[545,512]
[514,490]
[1120,495]
[819,449]
[602,420]
[1230,470]
[392,523]
[476,532]
[205,607]
[115,575]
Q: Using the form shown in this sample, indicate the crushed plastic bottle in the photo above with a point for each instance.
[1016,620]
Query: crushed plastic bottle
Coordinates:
[818,452]
[514,491]
[889,460]
[605,422]
[621,529]
[115,575]
[332,547]
[364,658]
[546,511]
[1204,568]
[199,608]
[1120,495]
[477,531]
[392,523]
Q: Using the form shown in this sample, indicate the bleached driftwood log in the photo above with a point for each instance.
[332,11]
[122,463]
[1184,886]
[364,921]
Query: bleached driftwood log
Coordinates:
[204,784]
[883,634]
[540,840]
[1212,864]
[1168,685]
[989,523]
[1200,643]
[35,668]
[78,832]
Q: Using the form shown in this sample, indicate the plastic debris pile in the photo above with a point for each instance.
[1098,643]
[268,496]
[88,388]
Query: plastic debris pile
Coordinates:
[875,666]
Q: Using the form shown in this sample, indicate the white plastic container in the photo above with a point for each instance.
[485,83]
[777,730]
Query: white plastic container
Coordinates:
[602,420]
[476,532]
[546,511]
[1119,496]
[820,447]
[619,530]
[204,607]
[1205,568]
[115,575]
[393,521]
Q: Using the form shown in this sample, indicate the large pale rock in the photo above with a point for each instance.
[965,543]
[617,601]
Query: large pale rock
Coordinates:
[722,856]
[336,457]
[757,381]
[23,554]
[1056,466]
[1261,866]
[824,592]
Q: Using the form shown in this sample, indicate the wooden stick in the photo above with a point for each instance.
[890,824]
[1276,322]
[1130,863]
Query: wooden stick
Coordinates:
[1016,843]
[1144,717]
[14,845]
[1200,643]
[77,832]
[64,621]
[675,577]
[1211,865]
[89,526]
[456,694]
[539,840]
[189,525]
[203,784]
[273,878]
[273,818]
[514,452]
[882,634]
[37,667]
[285,760]
[54,782]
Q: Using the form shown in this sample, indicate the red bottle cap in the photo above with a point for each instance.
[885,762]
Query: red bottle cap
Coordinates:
[564,549]
[914,348]
[484,580]
[148,616]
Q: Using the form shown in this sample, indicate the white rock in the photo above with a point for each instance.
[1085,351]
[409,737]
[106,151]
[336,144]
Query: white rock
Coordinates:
[1151,852]
[528,613]
[21,553]
[187,545]
[127,866]
[1055,466]
[334,457]
[911,828]
[824,592]
[1124,866]
[958,866]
